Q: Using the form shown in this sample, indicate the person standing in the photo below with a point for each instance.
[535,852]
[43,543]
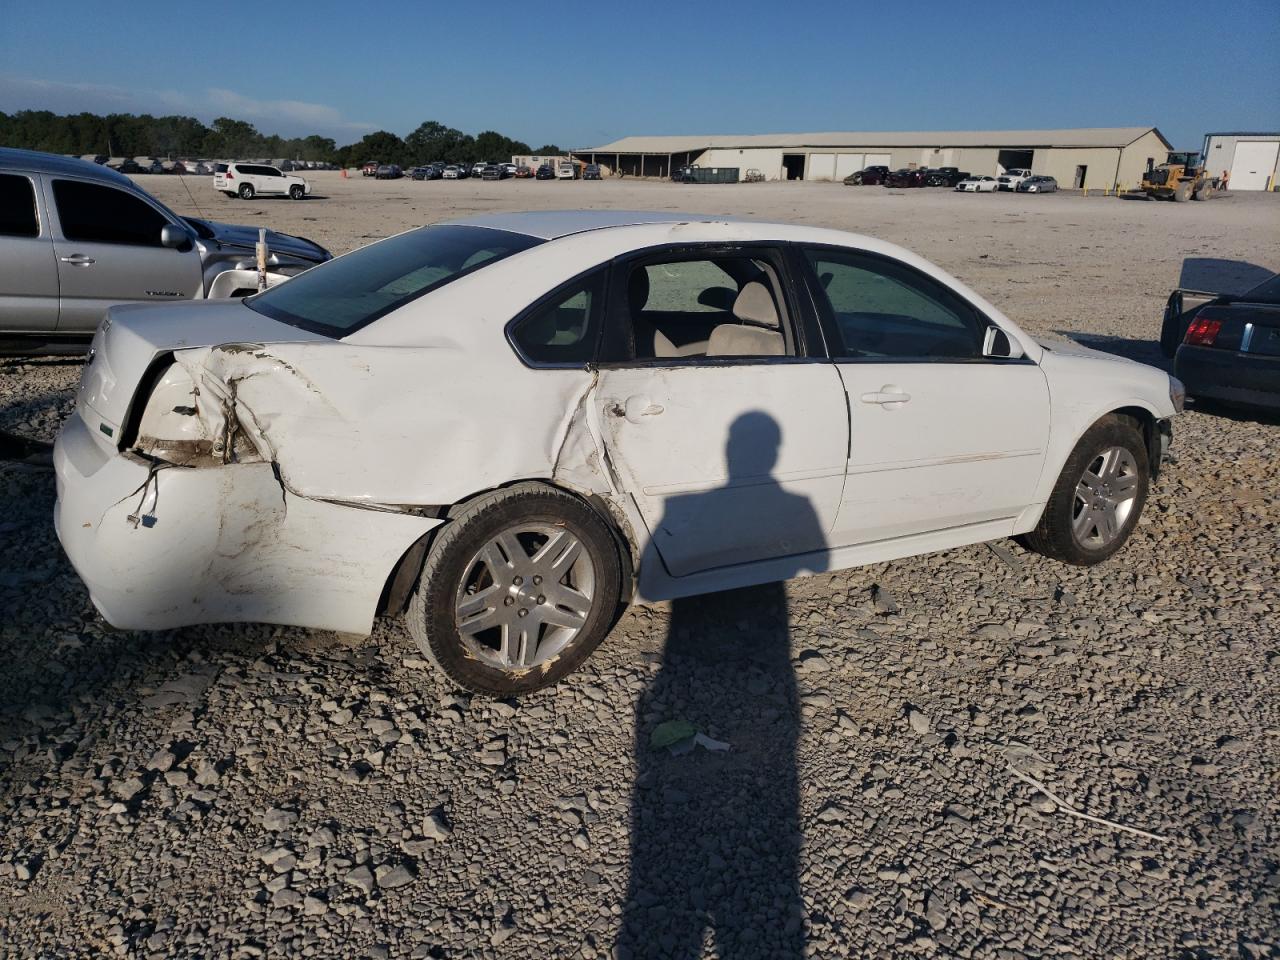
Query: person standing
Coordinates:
[1226,178]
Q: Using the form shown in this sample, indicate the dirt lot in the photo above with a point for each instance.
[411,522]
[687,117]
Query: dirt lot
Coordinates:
[260,791]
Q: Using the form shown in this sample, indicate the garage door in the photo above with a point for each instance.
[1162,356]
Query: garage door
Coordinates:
[876,160]
[822,166]
[1253,165]
[847,163]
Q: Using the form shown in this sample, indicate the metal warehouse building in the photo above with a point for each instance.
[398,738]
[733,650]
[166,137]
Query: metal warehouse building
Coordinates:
[1250,158]
[1095,158]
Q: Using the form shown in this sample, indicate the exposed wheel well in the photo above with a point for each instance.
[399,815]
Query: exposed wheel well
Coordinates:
[403,577]
[1149,426]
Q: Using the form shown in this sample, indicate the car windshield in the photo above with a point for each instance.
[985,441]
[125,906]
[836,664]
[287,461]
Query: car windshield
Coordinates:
[351,292]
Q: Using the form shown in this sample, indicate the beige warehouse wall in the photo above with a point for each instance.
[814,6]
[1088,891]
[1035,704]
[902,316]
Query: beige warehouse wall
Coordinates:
[981,161]
[1061,162]
[767,160]
[1133,159]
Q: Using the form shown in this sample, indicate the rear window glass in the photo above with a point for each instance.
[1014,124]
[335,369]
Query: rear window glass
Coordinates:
[343,295]
[1266,292]
[17,207]
[219,168]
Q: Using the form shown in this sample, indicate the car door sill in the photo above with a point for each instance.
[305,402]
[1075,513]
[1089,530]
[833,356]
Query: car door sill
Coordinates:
[657,585]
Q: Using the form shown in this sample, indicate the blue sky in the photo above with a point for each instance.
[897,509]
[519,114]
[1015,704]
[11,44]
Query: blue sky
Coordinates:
[580,74]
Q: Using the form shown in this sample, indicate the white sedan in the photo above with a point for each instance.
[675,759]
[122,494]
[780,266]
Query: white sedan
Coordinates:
[507,428]
[977,185]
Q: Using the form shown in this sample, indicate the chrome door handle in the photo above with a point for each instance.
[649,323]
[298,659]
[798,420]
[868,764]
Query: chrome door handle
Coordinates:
[78,259]
[887,396]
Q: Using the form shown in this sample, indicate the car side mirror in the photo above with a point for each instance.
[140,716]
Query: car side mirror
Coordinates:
[997,343]
[174,237]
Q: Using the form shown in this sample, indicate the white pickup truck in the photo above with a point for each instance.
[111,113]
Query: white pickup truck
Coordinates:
[1010,179]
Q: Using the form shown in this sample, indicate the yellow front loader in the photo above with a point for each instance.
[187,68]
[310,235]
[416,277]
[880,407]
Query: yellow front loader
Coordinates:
[1181,177]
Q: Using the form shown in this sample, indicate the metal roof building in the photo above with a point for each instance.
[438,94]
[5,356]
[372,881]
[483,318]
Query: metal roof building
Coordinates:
[1250,161]
[1094,157]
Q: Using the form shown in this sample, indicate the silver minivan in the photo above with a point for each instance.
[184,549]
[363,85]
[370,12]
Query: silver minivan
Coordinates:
[76,237]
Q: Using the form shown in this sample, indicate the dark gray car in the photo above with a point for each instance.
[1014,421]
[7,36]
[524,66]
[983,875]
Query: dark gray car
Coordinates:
[76,237]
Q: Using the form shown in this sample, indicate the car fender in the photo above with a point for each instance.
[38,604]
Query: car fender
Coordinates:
[1082,390]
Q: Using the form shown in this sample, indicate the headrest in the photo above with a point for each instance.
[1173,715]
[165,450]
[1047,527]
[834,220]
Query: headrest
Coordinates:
[755,305]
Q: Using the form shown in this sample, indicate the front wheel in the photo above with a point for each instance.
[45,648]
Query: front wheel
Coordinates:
[246,191]
[1099,495]
[296,192]
[518,589]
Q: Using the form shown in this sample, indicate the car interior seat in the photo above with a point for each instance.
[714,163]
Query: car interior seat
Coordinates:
[758,332]
[649,340]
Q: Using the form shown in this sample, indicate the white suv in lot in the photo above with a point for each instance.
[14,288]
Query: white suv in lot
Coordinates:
[1010,179]
[248,180]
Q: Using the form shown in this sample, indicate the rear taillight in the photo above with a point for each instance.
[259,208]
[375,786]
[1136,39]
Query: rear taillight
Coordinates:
[1202,332]
[228,175]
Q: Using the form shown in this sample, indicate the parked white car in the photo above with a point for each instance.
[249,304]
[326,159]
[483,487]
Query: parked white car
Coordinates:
[450,425]
[247,180]
[1010,179]
[977,185]
[566,170]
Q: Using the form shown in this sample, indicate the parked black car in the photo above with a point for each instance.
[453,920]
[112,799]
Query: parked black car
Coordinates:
[388,171]
[867,176]
[591,172]
[906,178]
[493,171]
[945,177]
[545,172]
[1226,347]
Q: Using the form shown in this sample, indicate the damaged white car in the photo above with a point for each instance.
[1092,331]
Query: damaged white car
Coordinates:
[508,428]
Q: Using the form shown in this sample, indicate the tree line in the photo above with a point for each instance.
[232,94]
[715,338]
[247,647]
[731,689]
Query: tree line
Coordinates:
[132,135]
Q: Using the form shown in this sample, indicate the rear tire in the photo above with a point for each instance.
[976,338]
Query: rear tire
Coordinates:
[484,568]
[246,191]
[1099,495]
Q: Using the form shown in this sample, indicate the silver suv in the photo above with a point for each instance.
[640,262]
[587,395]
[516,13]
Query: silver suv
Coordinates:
[76,238]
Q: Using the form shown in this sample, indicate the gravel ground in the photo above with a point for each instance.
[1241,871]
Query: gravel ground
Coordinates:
[248,791]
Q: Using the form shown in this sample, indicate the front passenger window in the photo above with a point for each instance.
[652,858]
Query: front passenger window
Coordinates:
[93,213]
[882,310]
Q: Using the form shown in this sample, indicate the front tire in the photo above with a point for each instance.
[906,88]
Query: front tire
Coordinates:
[296,192]
[518,589]
[1099,495]
[246,191]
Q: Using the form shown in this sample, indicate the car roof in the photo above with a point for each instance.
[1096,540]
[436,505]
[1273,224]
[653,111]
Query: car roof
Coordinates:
[553,224]
[34,161]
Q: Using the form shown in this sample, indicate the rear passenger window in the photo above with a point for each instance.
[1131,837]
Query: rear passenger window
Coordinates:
[884,310]
[18,207]
[98,214]
[563,330]
[702,307]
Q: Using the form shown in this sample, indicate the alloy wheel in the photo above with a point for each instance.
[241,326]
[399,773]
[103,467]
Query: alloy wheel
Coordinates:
[1105,495]
[525,595]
